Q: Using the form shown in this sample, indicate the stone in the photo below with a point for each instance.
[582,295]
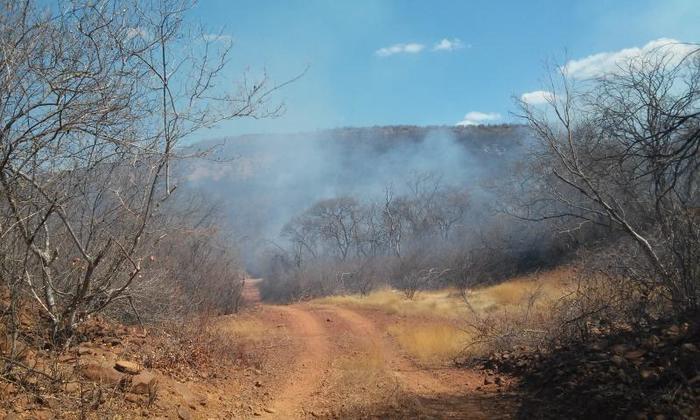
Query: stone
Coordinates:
[42,415]
[269,410]
[191,398]
[66,357]
[71,387]
[82,350]
[183,413]
[619,349]
[127,367]
[598,345]
[143,383]
[102,373]
[651,342]
[113,341]
[689,347]
[618,360]
[672,331]
[132,398]
[649,375]
[635,354]
[8,388]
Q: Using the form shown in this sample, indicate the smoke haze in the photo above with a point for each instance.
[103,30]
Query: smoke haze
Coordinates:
[265,180]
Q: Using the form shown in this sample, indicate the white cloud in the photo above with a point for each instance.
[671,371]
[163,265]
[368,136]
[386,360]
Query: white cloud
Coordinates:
[444,44]
[449,45]
[410,48]
[537,97]
[217,38]
[599,64]
[476,118]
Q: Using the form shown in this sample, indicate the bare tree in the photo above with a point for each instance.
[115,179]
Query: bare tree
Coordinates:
[413,278]
[95,97]
[622,150]
[333,221]
[451,206]
[393,223]
[303,235]
[365,244]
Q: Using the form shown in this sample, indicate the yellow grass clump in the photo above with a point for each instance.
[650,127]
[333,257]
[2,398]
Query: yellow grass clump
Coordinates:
[244,328]
[447,303]
[439,303]
[371,360]
[361,378]
[517,292]
[429,329]
[430,343]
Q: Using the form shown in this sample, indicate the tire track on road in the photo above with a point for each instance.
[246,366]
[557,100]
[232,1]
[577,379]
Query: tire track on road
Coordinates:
[309,367]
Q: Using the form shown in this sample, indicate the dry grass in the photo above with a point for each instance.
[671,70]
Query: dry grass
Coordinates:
[435,334]
[430,343]
[447,303]
[517,313]
[518,291]
[243,328]
[363,380]
[250,335]
[370,361]
[360,371]
[439,303]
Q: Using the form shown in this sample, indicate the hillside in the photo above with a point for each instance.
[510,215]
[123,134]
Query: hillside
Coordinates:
[264,180]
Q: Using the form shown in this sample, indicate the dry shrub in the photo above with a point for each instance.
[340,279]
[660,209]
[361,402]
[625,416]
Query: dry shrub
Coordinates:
[287,282]
[515,314]
[41,378]
[565,305]
[600,303]
[509,328]
[195,345]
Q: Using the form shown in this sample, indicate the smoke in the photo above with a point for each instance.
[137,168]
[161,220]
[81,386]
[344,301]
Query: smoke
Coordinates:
[268,179]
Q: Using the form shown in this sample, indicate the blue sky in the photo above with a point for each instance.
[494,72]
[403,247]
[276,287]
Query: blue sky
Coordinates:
[380,62]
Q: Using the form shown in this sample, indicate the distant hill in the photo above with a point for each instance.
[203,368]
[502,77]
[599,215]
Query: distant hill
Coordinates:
[267,179]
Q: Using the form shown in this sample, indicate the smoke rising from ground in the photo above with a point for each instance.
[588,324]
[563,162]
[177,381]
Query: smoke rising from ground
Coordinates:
[268,179]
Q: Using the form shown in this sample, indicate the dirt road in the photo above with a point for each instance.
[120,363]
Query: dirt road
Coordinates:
[339,363]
